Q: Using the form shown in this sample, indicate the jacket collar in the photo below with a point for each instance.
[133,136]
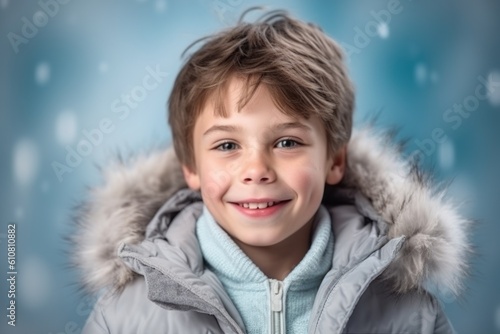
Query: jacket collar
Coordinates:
[390,190]
[174,262]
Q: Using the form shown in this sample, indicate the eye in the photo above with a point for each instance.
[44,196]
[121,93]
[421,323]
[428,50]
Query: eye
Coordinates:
[226,146]
[287,143]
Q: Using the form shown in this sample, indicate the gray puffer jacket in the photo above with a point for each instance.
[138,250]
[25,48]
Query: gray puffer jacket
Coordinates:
[395,239]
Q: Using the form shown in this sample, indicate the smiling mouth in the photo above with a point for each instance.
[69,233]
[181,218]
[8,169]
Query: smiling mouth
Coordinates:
[259,206]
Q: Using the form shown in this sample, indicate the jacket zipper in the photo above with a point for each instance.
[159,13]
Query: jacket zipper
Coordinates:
[277,323]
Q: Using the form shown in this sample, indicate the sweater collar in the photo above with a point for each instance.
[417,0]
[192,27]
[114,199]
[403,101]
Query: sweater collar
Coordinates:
[233,266]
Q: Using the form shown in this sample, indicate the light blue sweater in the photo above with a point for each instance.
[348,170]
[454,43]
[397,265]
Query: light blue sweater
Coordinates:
[249,288]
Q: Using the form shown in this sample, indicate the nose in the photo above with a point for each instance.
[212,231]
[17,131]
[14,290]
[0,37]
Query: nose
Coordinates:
[258,169]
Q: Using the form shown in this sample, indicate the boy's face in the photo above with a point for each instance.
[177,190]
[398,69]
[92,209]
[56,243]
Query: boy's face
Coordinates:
[261,158]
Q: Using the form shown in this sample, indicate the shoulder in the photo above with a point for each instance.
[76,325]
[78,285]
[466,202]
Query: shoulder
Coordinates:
[125,311]
[414,311]
[131,311]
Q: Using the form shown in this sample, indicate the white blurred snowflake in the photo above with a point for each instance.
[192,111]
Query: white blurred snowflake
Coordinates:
[4,3]
[25,161]
[66,126]
[383,30]
[494,88]
[420,73]
[19,213]
[42,73]
[446,155]
[103,67]
[497,318]
[35,282]
[160,6]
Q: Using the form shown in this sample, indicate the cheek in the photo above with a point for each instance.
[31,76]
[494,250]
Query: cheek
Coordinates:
[215,181]
[308,180]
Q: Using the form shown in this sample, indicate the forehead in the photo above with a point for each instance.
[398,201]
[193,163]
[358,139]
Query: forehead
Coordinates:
[260,116]
[239,96]
[236,102]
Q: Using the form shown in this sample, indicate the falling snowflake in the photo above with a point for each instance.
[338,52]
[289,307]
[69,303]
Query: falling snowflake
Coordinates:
[421,74]
[383,30]
[160,5]
[446,154]
[42,73]
[19,213]
[103,67]
[35,283]
[25,161]
[66,125]
[497,318]
[494,88]
[4,3]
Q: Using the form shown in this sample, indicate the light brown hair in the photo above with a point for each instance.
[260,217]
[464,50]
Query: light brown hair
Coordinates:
[301,66]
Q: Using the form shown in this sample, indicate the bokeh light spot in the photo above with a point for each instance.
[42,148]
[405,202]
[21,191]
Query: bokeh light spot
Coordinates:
[446,154]
[35,282]
[160,5]
[497,318]
[103,67]
[25,161]
[494,88]
[421,73]
[19,213]
[66,126]
[383,30]
[42,73]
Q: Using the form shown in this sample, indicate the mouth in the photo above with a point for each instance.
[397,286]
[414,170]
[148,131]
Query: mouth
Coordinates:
[260,204]
[261,207]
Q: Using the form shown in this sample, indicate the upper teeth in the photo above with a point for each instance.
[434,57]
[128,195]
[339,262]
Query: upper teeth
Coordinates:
[257,205]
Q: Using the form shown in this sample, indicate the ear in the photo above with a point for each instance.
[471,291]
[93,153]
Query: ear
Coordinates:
[337,164]
[192,178]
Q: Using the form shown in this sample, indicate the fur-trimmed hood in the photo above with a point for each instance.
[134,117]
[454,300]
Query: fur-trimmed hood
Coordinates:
[434,254]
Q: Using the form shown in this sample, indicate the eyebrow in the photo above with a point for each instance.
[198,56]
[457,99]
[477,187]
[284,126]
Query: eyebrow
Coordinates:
[278,127]
[291,125]
[222,128]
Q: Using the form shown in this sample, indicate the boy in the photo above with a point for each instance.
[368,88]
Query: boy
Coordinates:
[285,224]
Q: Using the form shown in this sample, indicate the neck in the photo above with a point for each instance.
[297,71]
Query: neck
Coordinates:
[277,261]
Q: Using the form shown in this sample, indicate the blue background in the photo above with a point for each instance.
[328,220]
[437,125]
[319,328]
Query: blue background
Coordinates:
[64,78]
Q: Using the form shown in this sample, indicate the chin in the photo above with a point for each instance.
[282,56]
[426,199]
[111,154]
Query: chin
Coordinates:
[260,241]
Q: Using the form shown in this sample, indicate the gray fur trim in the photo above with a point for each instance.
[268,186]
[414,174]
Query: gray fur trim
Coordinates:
[119,211]
[436,250]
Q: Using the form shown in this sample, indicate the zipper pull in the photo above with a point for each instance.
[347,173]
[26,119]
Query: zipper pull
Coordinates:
[276,295]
